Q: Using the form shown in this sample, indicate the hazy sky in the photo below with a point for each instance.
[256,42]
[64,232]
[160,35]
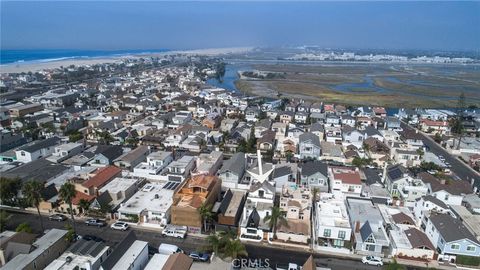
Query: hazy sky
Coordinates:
[185,25]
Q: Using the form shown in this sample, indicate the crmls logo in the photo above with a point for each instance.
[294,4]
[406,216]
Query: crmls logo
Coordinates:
[251,263]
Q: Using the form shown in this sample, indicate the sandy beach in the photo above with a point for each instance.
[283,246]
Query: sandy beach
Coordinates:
[35,66]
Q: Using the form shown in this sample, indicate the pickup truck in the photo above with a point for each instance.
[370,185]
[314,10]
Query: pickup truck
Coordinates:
[175,231]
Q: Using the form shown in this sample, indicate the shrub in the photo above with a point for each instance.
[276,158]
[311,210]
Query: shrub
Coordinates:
[468,260]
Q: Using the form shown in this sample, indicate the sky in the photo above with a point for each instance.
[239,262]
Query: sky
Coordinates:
[191,25]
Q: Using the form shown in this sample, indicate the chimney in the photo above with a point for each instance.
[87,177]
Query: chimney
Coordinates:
[384,176]
[357,226]
[442,181]
[259,159]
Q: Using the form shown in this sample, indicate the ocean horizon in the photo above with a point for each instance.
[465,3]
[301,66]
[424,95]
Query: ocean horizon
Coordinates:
[51,55]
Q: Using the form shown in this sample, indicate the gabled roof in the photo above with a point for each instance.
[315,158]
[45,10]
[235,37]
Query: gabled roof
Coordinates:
[37,145]
[366,231]
[254,219]
[454,187]
[281,171]
[102,176]
[265,185]
[109,151]
[235,164]
[372,131]
[434,200]
[119,251]
[418,239]
[395,172]
[178,261]
[49,192]
[451,228]
[313,167]
[402,218]
[308,136]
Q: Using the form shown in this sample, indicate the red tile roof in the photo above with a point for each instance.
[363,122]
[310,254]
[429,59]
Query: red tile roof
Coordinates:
[79,196]
[103,176]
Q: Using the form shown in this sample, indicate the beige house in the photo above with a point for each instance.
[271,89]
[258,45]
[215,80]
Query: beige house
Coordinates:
[297,205]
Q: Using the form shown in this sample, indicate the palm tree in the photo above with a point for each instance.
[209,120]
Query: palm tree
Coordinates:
[205,211]
[234,249]
[84,204]
[274,219]
[31,190]
[67,193]
[315,192]
[214,242]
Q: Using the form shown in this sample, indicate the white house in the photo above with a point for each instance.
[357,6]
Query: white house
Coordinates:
[36,150]
[332,226]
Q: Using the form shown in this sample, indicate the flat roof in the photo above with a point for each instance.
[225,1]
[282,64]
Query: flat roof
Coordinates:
[118,184]
[333,213]
[131,254]
[151,197]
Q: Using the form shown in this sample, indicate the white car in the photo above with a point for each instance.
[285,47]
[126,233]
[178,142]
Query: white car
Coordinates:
[121,226]
[372,260]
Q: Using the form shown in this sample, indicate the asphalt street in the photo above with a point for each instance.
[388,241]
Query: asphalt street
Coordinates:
[190,243]
[458,167]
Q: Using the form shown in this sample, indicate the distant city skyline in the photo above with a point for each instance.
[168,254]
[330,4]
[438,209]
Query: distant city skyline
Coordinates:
[191,25]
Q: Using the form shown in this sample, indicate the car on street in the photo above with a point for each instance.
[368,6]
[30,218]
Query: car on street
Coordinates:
[121,226]
[92,238]
[199,257]
[372,260]
[95,222]
[57,217]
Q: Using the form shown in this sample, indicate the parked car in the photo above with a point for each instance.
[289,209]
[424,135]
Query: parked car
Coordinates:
[95,222]
[175,231]
[121,226]
[200,257]
[372,260]
[93,238]
[57,217]
[169,249]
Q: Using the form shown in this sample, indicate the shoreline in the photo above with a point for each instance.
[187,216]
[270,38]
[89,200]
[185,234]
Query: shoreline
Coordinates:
[38,65]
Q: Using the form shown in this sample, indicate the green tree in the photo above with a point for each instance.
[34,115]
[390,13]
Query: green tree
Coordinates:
[394,265]
[205,211]
[4,219]
[70,236]
[106,138]
[84,205]
[24,227]
[242,146]
[214,242]
[315,193]
[275,218]
[32,193]
[252,141]
[8,190]
[456,123]
[67,193]
[75,137]
[234,249]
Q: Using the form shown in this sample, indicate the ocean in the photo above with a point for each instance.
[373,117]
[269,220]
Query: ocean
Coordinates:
[20,56]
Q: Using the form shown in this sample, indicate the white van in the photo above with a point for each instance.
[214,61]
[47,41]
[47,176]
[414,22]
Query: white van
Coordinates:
[168,249]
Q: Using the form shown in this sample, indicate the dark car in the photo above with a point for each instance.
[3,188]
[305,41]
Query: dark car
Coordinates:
[93,238]
[200,257]
[95,222]
[57,217]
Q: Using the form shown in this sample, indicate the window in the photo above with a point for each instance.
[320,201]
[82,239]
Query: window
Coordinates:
[22,153]
[261,193]
[446,197]
[327,232]
[455,246]
[471,248]
[341,234]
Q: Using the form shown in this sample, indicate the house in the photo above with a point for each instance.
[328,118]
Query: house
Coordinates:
[333,134]
[296,203]
[369,235]
[434,127]
[318,129]
[105,155]
[352,136]
[131,159]
[212,121]
[393,123]
[450,236]
[22,110]
[100,178]
[177,261]
[156,162]
[65,151]
[287,117]
[449,191]
[309,146]
[411,243]
[41,253]
[266,142]
[233,171]
[284,174]
[151,205]
[191,195]
[406,156]
[179,170]
[86,254]
[348,120]
[301,117]
[36,150]
[252,114]
[208,164]
[378,151]
[261,127]
[346,180]
[331,222]
[258,205]
[424,206]
[119,190]
[230,210]
[134,258]
[228,124]
[314,174]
